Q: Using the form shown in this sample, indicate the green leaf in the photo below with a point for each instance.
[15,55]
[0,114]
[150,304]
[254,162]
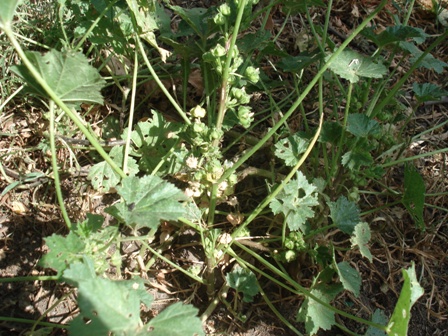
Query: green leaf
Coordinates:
[81,270]
[362,126]
[297,63]
[350,277]
[350,65]
[428,62]
[195,18]
[395,34]
[156,139]
[63,251]
[150,20]
[345,214]
[331,132]
[410,292]
[314,314]
[176,320]
[106,306]
[244,281]
[428,91]
[380,318]
[68,74]
[147,201]
[360,238]
[7,10]
[290,148]
[414,195]
[295,201]
[103,177]
[356,158]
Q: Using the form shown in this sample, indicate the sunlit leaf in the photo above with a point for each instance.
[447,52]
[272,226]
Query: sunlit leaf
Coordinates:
[351,66]
[295,201]
[290,148]
[68,74]
[106,306]
[7,10]
[410,293]
[360,238]
[147,201]
[176,320]
[103,177]
[63,251]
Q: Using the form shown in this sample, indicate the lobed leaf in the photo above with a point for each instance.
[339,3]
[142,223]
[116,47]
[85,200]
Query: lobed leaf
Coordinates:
[315,315]
[147,201]
[290,148]
[63,251]
[428,62]
[295,201]
[380,318]
[176,320]
[350,65]
[106,306]
[103,177]
[244,281]
[345,214]
[394,34]
[58,69]
[428,91]
[362,126]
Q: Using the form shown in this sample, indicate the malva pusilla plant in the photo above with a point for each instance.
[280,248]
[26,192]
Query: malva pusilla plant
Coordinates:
[312,186]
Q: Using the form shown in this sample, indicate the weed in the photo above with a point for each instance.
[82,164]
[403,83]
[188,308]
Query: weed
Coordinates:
[314,177]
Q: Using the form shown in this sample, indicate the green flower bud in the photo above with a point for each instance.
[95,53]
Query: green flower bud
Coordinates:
[240,95]
[218,51]
[252,74]
[199,128]
[219,19]
[225,9]
[245,116]
[198,112]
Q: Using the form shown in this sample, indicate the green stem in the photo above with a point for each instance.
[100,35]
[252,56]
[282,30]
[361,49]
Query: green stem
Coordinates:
[27,321]
[280,187]
[226,71]
[72,115]
[160,84]
[305,92]
[54,164]
[414,66]
[335,166]
[127,147]
[276,312]
[31,278]
[302,290]
[419,156]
